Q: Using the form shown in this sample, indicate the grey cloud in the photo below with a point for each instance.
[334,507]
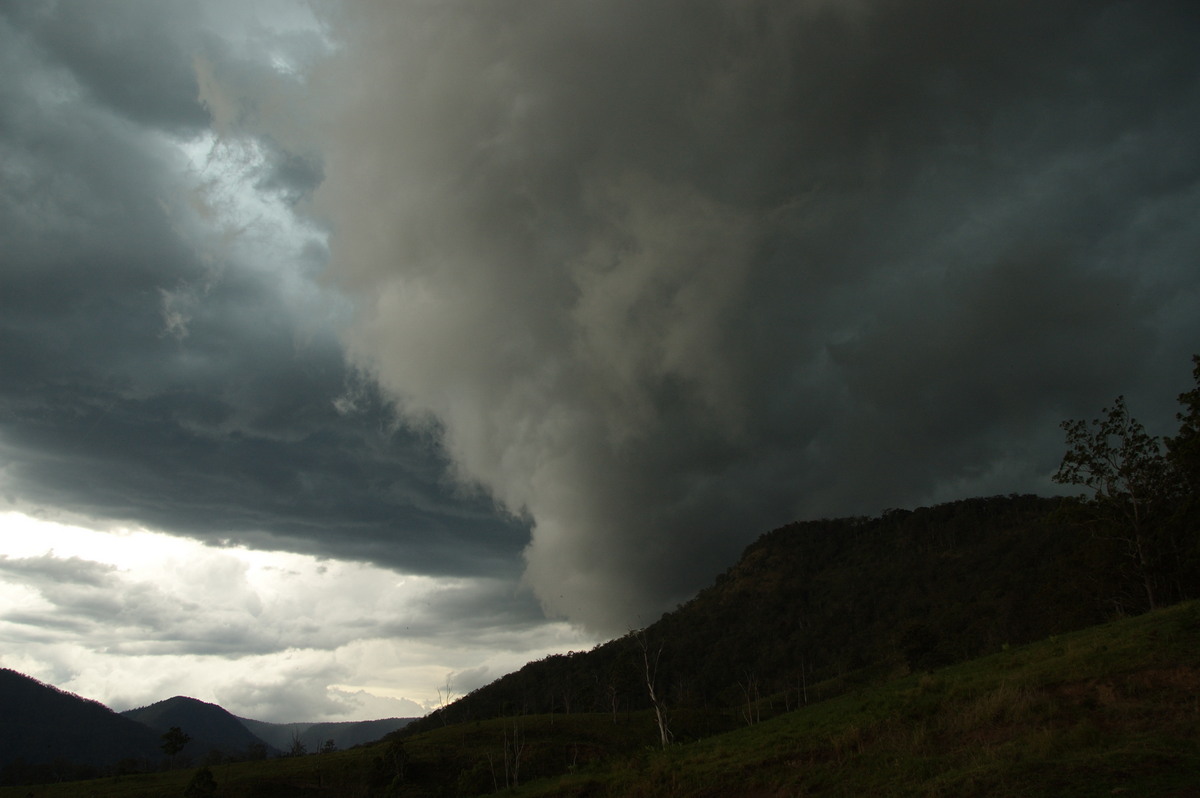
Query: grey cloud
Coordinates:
[671,274]
[154,376]
[85,597]
[107,610]
[643,279]
[302,695]
[377,707]
[133,56]
[56,570]
[294,176]
[464,681]
[491,611]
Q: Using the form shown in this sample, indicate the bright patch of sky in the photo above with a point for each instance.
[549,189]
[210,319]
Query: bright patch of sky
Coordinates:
[141,616]
[224,173]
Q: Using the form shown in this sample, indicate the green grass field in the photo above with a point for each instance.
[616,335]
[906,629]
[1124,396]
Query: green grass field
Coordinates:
[1112,710]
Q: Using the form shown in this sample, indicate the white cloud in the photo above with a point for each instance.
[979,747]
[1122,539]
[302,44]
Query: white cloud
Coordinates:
[132,616]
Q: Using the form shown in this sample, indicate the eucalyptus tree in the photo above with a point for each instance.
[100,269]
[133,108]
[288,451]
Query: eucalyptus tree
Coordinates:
[1135,488]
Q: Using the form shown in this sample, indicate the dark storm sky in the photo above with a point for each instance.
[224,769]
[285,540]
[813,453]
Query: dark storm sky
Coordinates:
[580,297]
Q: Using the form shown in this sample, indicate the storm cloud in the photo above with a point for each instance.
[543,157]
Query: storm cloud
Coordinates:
[669,274]
[560,304]
[169,356]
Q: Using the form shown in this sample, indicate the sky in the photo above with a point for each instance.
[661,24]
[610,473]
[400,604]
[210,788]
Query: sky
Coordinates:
[352,355]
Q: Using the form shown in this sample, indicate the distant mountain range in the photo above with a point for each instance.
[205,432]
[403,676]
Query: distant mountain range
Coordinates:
[211,727]
[50,734]
[313,736]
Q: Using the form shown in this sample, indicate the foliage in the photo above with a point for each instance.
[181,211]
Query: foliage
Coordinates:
[298,748]
[1120,462]
[1184,448]
[202,785]
[174,740]
[1142,497]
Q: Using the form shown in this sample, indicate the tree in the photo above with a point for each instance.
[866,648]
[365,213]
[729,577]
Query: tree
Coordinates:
[1184,448]
[445,699]
[664,733]
[174,740]
[298,747]
[202,785]
[1135,487]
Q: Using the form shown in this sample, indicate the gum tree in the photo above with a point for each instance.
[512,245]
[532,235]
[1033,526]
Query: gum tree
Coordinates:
[1135,488]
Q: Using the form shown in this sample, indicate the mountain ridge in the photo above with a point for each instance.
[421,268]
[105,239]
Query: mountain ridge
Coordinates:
[211,727]
[53,734]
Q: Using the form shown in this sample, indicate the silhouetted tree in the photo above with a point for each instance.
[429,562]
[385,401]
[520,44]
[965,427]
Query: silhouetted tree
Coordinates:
[1184,448]
[298,748]
[1134,486]
[174,740]
[202,785]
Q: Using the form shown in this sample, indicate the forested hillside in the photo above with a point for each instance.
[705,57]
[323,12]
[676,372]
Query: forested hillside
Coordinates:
[51,735]
[210,728]
[855,598]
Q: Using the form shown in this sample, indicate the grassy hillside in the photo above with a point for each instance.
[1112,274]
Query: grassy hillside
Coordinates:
[1105,711]
[1109,710]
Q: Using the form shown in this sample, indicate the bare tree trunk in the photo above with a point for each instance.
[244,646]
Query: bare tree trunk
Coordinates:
[664,733]
[753,712]
[804,680]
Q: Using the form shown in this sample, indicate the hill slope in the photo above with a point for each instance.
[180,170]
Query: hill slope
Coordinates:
[211,727]
[44,725]
[851,599]
[1110,710]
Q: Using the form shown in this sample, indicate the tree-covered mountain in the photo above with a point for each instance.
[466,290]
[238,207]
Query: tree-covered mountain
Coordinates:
[851,599]
[210,727]
[50,734]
